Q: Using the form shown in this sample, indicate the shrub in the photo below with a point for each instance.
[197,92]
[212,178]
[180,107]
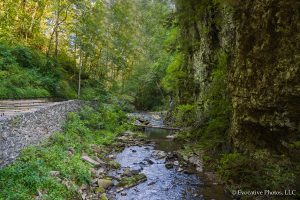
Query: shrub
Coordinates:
[259,170]
[6,58]
[185,115]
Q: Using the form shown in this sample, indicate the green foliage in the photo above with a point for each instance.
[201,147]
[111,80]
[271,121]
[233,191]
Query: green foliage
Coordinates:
[216,99]
[260,170]
[121,47]
[6,58]
[66,90]
[185,115]
[215,106]
[30,174]
[143,82]
[210,115]
[24,74]
[175,73]
[24,56]
[124,101]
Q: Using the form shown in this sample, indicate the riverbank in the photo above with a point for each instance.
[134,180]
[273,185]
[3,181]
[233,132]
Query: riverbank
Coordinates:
[94,157]
[56,168]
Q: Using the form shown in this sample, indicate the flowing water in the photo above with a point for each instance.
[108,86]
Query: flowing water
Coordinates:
[163,183]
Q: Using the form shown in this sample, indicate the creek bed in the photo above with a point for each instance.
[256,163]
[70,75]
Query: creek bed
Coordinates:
[162,183]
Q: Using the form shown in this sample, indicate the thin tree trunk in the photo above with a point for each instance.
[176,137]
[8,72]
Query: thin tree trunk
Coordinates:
[160,90]
[23,28]
[33,17]
[79,75]
[75,54]
[56,32]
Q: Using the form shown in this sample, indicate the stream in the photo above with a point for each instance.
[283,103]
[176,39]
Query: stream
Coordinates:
[172,183]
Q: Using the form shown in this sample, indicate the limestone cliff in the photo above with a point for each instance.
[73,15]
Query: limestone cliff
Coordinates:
[264,77]
[261,41]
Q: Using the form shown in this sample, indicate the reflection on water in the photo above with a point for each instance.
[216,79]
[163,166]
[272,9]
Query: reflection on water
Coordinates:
[159,136]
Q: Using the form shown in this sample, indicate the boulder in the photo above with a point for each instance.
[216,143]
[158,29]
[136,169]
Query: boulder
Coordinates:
[171,136]
[104,183]
[159,154]
[103,197]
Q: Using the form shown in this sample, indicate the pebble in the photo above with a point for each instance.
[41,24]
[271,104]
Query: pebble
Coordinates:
[54,173]
[169,165]
[149,161]
[179,169]
[111,156]
[151,183]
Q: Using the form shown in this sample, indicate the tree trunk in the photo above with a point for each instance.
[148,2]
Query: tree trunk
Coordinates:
[79,75]
[56,32]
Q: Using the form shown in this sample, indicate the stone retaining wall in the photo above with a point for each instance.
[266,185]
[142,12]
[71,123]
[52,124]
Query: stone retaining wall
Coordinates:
[30,128]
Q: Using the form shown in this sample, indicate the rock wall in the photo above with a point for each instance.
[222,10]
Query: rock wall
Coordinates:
[265,77]
[261,39]
[30,128]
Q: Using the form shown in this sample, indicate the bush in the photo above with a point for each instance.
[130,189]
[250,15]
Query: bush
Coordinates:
[25,73]
[185,115]
[64,89]
[24,56]
[258,171]
[6,58]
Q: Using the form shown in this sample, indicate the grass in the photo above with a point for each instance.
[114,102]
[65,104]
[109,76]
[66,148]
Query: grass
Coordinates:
[30,174]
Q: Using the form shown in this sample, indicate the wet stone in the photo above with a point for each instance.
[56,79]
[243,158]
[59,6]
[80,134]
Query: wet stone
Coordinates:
[176,163]
[105,183]
[169,165]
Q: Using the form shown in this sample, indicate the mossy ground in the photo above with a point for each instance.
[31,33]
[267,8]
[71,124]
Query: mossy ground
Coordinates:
[132,180]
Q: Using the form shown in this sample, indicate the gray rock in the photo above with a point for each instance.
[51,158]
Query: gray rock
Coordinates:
[104,183]
[176,163]
[159,154]
[90,160]
[179,169]
[169,165]
[111,156]
[171,136]
[54,173]
[152,183]
[149,161]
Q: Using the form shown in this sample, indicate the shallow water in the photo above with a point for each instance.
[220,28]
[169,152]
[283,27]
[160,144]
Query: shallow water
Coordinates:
[163,183]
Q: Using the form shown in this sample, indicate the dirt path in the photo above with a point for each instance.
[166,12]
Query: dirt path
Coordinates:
[16,107]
